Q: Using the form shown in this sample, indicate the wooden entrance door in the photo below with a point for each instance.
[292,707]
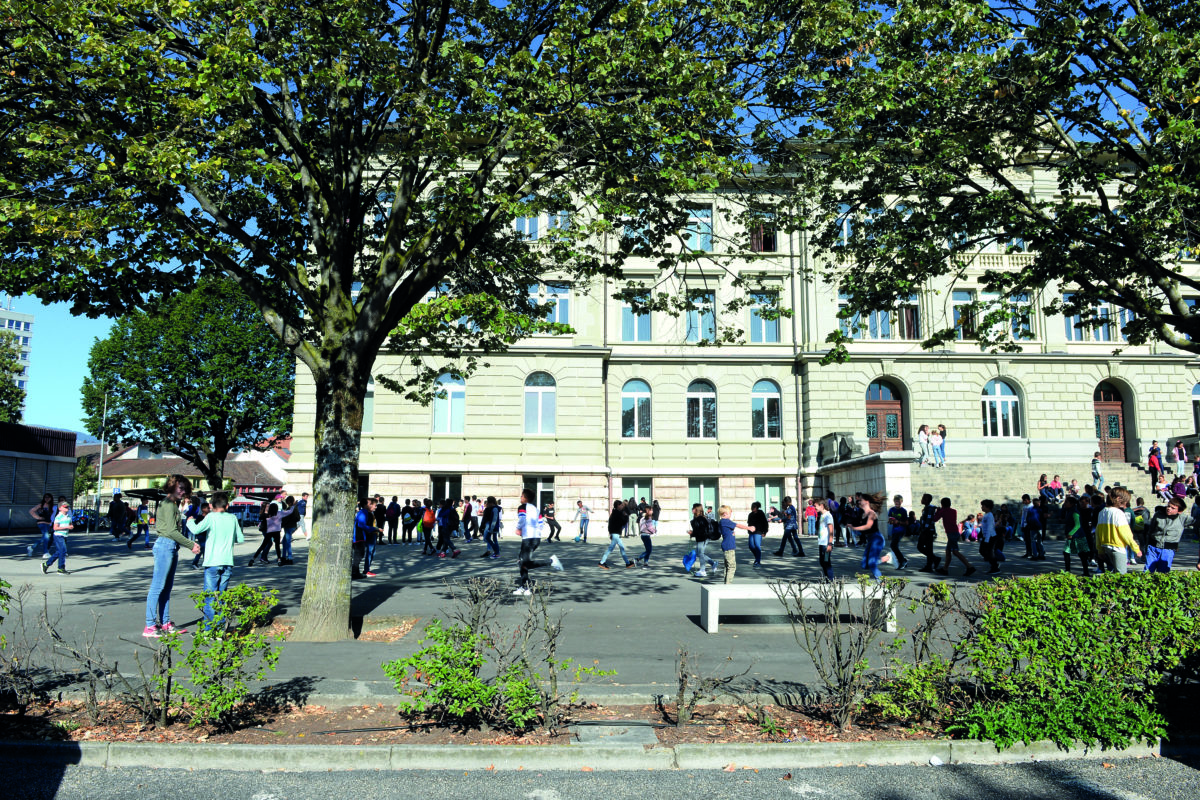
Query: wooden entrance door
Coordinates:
[1107,405]
[885,418]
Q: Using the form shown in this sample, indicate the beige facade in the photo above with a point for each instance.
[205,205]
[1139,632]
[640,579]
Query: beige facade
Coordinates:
[480,441]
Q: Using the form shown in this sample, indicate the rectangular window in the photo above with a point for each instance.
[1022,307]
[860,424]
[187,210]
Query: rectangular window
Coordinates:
[637,488]
[559,221]
[1104,333]
[1072,326]
[445,487]
[1124,317]
[845,225]
[702,319]
[635,327]
[851,326]
[1022,320]
[764,330]
[704,492]
[700,229]
[964,317]
[908,318]
[769,492]
[559,295]
[763,237]
[27,326]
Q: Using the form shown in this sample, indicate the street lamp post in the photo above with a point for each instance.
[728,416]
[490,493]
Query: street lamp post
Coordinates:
[100,471]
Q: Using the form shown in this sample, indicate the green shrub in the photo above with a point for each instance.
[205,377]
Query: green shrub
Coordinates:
[230,652]
[476,672]
[1068,659]
[915,693]
[442,678]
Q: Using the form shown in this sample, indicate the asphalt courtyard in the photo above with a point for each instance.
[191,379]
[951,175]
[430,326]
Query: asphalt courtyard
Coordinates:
[628,620]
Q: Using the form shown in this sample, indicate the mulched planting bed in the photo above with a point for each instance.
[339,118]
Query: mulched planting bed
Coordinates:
[382,724]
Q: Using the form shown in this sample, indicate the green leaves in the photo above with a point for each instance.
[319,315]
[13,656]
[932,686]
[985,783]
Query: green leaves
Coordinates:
[198,374]
[12,397]
[1078,660]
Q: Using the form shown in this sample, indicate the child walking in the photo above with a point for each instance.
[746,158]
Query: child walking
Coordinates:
[223,531]
[60,527]
[949,518]
[647,532]
[728,543]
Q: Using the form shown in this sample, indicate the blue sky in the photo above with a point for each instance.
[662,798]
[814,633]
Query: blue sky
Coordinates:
[58,354]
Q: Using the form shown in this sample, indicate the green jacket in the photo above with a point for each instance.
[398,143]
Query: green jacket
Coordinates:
[166,523]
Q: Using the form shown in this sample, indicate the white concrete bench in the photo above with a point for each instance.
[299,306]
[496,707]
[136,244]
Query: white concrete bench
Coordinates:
[711,596]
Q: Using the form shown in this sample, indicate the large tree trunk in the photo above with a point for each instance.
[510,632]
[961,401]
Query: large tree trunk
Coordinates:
[325,606]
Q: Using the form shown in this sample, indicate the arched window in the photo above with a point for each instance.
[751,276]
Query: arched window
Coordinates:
[765,416]
[882,391]
[449,405]
[1001,410]
[635,410]
[701,410]
[1107,393]
[1196,407]
[539,404]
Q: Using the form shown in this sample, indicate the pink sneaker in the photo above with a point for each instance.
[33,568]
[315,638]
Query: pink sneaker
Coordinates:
[370,574]
[169,627]
[151,632]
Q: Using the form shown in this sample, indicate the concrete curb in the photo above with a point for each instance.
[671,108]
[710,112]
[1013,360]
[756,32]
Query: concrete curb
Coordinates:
[559,758]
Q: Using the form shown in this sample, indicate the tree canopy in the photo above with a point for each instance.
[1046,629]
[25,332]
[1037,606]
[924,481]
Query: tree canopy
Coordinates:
[1061,128]
[356,168]
[12,397]
[197,374]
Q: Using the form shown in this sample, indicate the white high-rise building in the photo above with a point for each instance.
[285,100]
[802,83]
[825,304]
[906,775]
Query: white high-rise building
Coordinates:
[20,326]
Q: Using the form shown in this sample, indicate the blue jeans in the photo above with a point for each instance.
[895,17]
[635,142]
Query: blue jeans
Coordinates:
[287,542]
[754,541]
[616,542]
[216,579]
[370,556]
[158,599]
[492,540]
[875,547]
[583,523]
[1159,559]
[810,524]
[1098,481]
[941,452]
[47,532]
[143,529]
[647,540]
[790,537]
[58,551]
[701,556]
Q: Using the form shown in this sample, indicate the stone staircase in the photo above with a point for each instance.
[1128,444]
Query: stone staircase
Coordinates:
[967,484]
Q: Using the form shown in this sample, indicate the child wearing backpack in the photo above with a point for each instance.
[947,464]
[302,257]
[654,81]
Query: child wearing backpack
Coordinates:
[425,528]
[1139,523]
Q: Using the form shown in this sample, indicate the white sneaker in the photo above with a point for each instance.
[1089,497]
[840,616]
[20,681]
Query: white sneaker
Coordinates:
[520,591]
[555,563]
[702,574]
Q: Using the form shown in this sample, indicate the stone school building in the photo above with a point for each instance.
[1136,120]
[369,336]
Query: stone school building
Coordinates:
[636,405]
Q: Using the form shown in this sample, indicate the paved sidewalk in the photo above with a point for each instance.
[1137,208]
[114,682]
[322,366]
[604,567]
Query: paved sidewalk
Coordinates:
[631,620]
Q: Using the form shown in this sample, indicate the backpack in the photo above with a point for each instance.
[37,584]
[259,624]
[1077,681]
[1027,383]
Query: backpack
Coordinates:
[1139,519]
[429,519]
[714,531]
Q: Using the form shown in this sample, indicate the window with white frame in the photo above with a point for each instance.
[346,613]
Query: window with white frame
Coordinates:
[1021,321]
[908,318]
[527,225]
[765,417]
[872,325]
[635,410]
[449,405]
[763,329]
[764,237]
[539,404]
[1110,325]
[555,299]
[698,235]
[1196,408]
[701,401]
[635,324]
[964,314]
[845,225]
[702,317]
[1001,410]
[368,420]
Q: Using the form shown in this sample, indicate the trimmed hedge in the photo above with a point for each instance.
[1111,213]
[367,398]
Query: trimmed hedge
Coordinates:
[1074,659]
